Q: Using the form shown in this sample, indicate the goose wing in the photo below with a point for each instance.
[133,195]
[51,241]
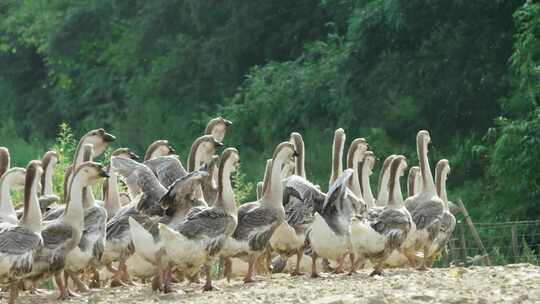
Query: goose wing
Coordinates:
[167,169]
[141,182]
[427,213]
[56,234]
[256,223]
[16,240]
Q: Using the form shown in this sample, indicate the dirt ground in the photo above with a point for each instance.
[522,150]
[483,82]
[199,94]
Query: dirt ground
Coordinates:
[518,283]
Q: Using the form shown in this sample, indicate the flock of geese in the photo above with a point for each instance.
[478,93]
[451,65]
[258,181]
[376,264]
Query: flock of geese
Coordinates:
[174,224]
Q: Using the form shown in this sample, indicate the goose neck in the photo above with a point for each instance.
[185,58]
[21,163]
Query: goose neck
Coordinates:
[226,199]
[32,212]
[74,214]
[274,193]
[337,156]
[48,179]
[112,197]
[6,205]
[428,185]
[366,187]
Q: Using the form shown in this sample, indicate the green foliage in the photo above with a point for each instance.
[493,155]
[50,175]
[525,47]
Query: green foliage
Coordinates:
[65,145]
[243,190]
[381,69]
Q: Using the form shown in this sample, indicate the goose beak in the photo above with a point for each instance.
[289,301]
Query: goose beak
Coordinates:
[227,123]
[296,154]
[218,144]
[171,150]
[134,156]
[104,173]
[109,137]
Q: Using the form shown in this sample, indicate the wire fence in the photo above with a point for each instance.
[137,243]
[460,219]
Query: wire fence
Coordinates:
[501,244]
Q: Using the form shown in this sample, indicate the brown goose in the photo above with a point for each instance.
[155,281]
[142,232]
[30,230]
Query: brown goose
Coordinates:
[217,128]
[13,178]
[414,181]
[158,148]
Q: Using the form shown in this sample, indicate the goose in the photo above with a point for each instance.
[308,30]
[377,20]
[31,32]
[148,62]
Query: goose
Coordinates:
[414,181]
[64,234]
[142,182]
[258,220]
[384,176]
[111,197]
[158,148]
[374,237]
[92,242]
[300,199]
[330,231]
[166,168]
[200,238]
[12,178]
[426,207]
[366,169]
[201,154]
[355,155]
[217,128]
[448,221]
[19,242]
[47,196]
[179,201]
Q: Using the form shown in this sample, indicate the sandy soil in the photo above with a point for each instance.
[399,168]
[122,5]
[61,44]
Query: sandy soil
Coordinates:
[519,283]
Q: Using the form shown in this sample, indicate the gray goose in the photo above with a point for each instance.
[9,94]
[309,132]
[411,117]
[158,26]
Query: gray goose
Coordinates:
[426,207]
[330,232]
[448,221]
[47,196]
[87,254]
[64,234]
[20,242]
[384,177]
[199,239]
[375,237]
[300,200]
[258,220]
[146,190]
[200,155]
[181,199]
[111,197]
[217,128]
[13,178]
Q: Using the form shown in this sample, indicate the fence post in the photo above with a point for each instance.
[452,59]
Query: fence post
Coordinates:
[514,243]
[463,242]
[474,232]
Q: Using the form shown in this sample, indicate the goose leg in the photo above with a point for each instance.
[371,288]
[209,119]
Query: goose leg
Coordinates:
[314,273]
[249,275]
[77,281]
[125,274]
[116,280]
[423,263]
[167,280]
[340,262]
[378,270]
[95,280]
[353,263]
[269,260]
[13,292]
[64,295]
[411,257]
[158,276]
[299,256]
[208,284]
[227,268]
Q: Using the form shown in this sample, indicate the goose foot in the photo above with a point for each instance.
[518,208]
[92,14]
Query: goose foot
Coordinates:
[95,283]
[156,283]
[297,273]
[118,283]
[422,268]
[210,287]
[376,272]
[167,288]
[248,280]
[315,275]
[72,294]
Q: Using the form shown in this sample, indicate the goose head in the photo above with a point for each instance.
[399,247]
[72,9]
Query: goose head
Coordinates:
[230,160]
[125,153]
[397,170]
[4,160]
[217,128]
[14,178]
[441,172]
[284,152]
[159,148]
[48,162]
[99,138]
[185,188]
[89,173]
[202,150]
[413,179]
[423,137]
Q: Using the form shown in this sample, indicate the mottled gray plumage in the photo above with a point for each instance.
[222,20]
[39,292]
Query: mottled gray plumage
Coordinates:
[337,209]
[394,224]
[298,187]
[53,214]
[119,224]
[167,169]
[140,180]
[427,214]
[93,236]
[256,223]
[17,240]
